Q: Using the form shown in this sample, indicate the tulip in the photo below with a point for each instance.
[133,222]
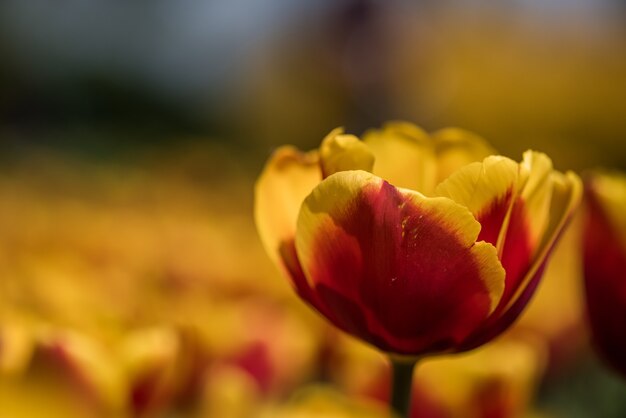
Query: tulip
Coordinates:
[415,244]
[605,265]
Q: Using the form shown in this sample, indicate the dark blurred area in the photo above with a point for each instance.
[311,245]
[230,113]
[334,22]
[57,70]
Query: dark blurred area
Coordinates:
[102,76]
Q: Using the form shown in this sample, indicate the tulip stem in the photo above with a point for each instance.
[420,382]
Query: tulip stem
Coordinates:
[401,384]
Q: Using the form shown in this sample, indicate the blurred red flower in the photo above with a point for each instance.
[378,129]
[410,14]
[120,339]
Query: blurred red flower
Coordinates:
[605,265]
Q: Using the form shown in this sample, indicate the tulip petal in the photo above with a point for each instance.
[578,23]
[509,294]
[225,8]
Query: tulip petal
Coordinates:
[487,189]
[407,263]
[512,203]
[564,200]
[404,156]
[566,196]
[349,317]
[288,177]
[528,221]
[290,260]
[456,148]
[340,152]
[536,193]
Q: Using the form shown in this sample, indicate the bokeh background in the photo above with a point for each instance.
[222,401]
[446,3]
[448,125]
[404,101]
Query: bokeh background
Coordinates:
[132,283]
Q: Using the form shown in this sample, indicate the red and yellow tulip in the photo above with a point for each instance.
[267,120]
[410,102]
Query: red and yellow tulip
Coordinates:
[414,243]
[605,265]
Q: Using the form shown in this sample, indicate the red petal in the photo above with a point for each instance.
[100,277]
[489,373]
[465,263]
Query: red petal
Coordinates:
[517,251]
[394,268]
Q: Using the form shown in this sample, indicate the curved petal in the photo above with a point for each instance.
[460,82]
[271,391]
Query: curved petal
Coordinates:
[340,152]
[527,222]
[488,190]
[288,177]
[512,203]
[527,231]
[405,156]
[456,148]
[537,172]
[566,196]
[290,260]
[408,264]
[564,200]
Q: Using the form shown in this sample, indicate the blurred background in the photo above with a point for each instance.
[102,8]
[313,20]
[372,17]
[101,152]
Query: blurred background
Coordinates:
[132,282]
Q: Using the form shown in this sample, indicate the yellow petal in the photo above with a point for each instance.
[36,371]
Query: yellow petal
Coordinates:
[456,148]
[405,156]
[288,177]
[536,173]
[340,152]
[564,200]
[487,189]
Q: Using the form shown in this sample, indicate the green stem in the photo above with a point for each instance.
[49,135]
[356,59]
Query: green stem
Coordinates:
[402,382]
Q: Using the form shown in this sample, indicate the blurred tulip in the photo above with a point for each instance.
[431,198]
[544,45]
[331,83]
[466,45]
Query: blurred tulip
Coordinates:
[269,343]
[605,265]
[397,240]
[279,349]
[68,375]
[163,367]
